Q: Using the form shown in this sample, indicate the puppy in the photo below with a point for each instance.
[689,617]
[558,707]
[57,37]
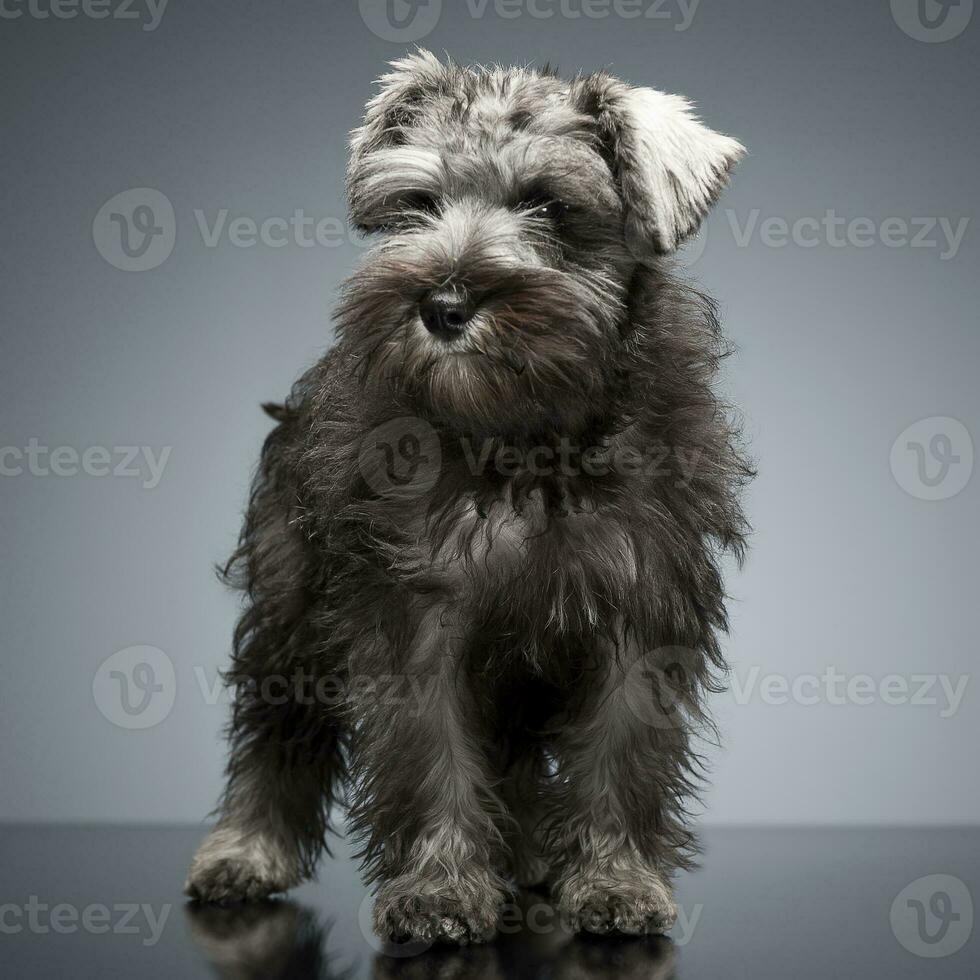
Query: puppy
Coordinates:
[480,559]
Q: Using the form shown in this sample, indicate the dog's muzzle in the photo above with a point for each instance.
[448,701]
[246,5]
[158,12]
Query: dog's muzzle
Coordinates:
[445,313]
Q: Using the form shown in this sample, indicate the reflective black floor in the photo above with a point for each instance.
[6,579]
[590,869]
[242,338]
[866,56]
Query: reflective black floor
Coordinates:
[105,902]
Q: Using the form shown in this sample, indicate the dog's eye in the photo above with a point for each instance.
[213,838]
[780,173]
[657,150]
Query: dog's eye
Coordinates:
[424,203]
[546,210]
[405,212]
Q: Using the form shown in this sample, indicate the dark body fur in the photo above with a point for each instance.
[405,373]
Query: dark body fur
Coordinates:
[484,624]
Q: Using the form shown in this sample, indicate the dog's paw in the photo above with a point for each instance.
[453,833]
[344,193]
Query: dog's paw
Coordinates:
[434,920]
[233,866]
[632,907]
[412,910]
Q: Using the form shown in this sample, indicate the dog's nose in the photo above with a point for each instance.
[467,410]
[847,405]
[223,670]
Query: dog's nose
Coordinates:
[445,313]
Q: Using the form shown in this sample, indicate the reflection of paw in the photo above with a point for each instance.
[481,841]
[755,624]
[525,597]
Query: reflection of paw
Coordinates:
[231,866]
[444,962]
[623,958]
[243,933]
[415,909]
[259,939]
[633,906]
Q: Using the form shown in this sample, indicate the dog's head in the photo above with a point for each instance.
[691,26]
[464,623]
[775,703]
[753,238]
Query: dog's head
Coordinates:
[513,209]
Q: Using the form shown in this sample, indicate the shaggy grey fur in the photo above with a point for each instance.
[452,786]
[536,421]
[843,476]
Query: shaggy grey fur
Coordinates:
[500,499]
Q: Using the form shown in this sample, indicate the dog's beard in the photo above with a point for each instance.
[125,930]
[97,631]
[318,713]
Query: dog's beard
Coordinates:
[538,352]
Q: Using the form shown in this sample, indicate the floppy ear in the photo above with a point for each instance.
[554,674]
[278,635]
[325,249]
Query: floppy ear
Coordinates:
[401,91]
[670,167]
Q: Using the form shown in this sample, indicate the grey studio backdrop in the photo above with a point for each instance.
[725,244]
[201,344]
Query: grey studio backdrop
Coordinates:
[844,257]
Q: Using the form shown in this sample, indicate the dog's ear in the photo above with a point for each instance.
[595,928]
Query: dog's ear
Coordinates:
[670,167]
[401,92]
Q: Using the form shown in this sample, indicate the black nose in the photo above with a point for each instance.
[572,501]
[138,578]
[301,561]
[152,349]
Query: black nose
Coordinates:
[445,313]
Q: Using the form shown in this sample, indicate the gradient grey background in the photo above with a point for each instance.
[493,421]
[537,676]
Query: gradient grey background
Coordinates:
[246,106]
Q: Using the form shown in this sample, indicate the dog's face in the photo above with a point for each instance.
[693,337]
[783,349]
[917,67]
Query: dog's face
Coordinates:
[513,208]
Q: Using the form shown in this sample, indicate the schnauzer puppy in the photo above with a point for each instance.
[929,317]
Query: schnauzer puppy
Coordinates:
[481,555]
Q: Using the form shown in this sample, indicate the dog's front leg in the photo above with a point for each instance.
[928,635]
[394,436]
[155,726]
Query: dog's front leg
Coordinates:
[625,764]
[423,795]
[284,771]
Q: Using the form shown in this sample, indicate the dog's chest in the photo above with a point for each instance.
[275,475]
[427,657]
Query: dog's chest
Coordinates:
[503,550]
[479,548]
